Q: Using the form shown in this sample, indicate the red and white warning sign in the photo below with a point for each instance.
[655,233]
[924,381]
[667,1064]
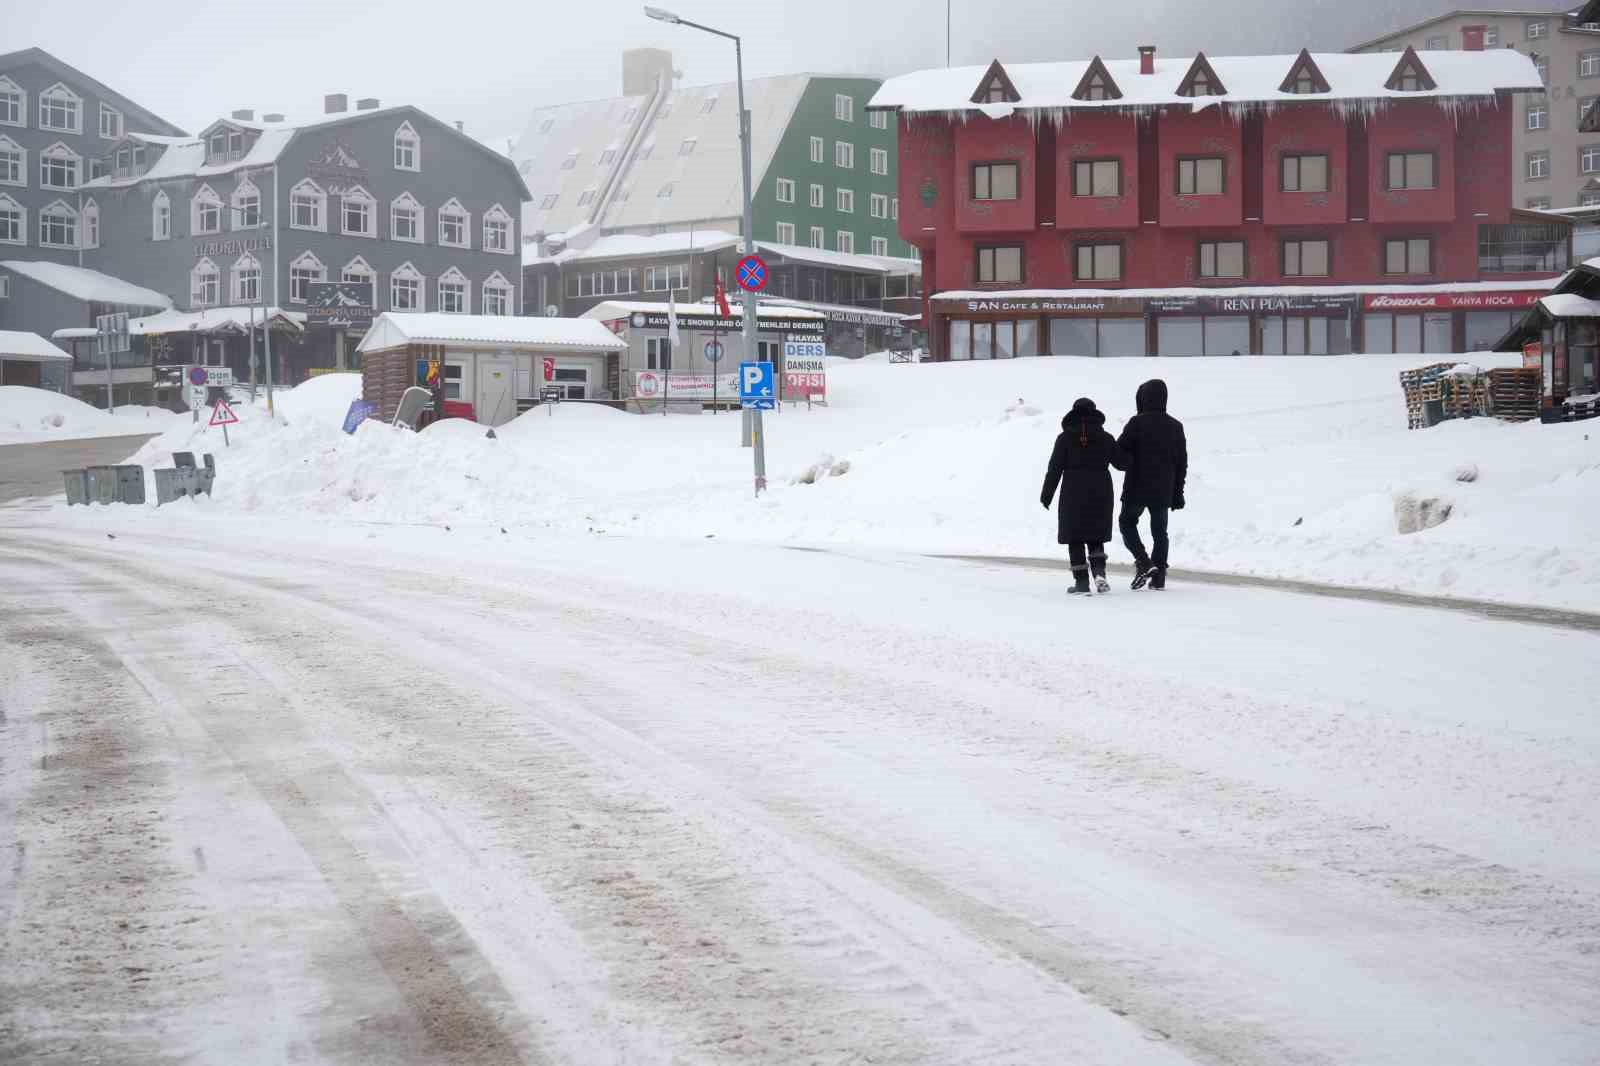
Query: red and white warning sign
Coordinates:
[222,415]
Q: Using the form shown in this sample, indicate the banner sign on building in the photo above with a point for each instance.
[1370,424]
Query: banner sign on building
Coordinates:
[339,304]
[1449,301]
[805,370]
[682,385]
[701,323]
[1086,305]
[1287,303]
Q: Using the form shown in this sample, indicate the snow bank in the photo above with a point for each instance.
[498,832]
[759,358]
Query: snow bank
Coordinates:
[1297,468]
[29,415]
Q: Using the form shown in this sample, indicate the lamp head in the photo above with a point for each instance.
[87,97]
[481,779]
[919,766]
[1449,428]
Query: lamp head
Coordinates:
[661,15]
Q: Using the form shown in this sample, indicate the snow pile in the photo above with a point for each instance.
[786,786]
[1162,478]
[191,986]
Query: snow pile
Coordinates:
[29,415]
[1299,468]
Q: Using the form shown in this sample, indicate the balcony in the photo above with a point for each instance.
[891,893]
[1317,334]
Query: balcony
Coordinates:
[1524,248]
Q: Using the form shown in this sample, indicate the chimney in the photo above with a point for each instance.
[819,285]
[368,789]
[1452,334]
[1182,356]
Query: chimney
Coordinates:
[1472,38]
[335,103]
[461,127]
[1147,59]
[272,117]
[369,103]
[245,114]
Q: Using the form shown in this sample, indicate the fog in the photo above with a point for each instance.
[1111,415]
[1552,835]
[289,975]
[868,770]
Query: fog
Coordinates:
[487,64]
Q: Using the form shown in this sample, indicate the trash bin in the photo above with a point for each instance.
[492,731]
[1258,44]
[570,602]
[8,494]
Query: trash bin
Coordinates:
[171,484]
[130,484]
[102,484]
[77,483]
[183,459]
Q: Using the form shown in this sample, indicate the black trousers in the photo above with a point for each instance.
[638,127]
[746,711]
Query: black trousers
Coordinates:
[1128,522]
[1087,555]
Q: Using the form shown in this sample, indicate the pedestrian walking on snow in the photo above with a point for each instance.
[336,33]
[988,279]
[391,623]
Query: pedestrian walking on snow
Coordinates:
[1080,464]
[1158,463]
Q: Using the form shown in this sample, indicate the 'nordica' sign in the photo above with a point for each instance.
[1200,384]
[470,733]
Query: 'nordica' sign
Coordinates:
[1447,301]
[233,246]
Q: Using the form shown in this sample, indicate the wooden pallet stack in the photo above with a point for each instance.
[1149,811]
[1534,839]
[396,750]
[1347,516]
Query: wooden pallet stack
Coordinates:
[1514,393]
[1423,385]
[1464,395]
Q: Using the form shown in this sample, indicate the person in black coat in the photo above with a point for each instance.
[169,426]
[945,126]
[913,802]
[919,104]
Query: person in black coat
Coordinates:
[1158,464]
[1079,465]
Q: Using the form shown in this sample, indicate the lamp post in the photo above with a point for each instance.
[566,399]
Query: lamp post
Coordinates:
[750,346]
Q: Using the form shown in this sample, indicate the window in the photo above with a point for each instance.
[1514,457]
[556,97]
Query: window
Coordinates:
[844,200]
[308,270]
[1589,64]
[1200,177]
[1305,259]
[1436,44]
[1304,83]
[307,205]
[13,222]
[1412,256]
[1542,65]
[59,167]
[358,213]
[1491,37]
[1584,103]
[454,293]
[785,233]
[878,120]
[407,148]
[817,237]
[607,157]
[1201,85]
[844,107]
[570,162]
[1000,265]
[1222,259]
[405,289]
[247,205]
[818,196]
[1524,248]
[549,201]
[91,224]
[454,225]
[1589,159]
[405,219]
[205,212]
[1410,170]
[204,284]
[878,206]
[13,103]
[497,230]
[587,196]
[709,105]
[844,155]
[666,278]
[629,115]
[1536,29]
[1539,203]
[246,280]
[1096,89]
[1098,262]
[600,283]
[880,246]
[1538,165]
[994,181]
[1589,199]
[160,217]
[60,109]
[1097,177]
[58,226]
[13,163]
[1539,115]
[665,192]
[844,241]
[658,353]
[1305,173]
[110,123]
[687,147]
[894,208]
[355,272]
[497,295]
[816,149]
[785,191]
[879,160]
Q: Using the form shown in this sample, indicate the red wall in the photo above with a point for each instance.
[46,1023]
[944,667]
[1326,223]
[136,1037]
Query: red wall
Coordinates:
[935,160]
[987,141]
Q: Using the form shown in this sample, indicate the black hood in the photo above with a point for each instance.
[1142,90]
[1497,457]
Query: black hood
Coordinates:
[1083,411]
[1152,396]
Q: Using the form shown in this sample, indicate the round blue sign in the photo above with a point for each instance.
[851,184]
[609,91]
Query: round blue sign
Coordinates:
[713,351]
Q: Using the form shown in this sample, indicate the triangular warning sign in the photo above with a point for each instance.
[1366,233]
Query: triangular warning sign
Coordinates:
[222,415]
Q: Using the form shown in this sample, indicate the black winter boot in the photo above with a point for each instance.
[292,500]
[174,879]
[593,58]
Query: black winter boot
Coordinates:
[1158,577]
[1080,583]
[1141,573]
[1097,567]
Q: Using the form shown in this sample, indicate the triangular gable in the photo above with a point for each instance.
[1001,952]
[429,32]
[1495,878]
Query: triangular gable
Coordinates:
[1305,76]
[1097,76]
[1410,66]
[996,87]
[1590,12]
[1200,72]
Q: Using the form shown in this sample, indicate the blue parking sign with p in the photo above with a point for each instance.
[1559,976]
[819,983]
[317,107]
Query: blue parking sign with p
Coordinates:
[757,386]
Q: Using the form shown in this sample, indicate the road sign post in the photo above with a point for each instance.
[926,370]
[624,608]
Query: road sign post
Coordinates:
[758,393]
[222,415]
[111,336]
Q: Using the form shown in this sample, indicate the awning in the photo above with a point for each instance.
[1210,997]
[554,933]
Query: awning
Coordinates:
[217,320]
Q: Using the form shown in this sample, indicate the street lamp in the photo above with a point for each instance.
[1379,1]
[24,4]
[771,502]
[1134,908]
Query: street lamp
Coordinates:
[750,347]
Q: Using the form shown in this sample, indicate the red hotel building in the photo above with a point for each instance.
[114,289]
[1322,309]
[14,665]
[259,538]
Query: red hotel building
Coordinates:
[1265,204]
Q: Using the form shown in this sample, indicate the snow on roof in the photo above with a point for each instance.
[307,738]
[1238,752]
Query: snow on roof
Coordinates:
[214,320]
[75,333]
[1248,79]
[187,159]
[29,348]
[392,330]
[875,264]
[1570,305]
[610,309]
[87,285]
[840,312]
[619,245]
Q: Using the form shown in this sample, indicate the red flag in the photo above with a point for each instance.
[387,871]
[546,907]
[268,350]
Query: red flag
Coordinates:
[722,299]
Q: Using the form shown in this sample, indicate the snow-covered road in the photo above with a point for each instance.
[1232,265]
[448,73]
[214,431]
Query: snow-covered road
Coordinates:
[280,793]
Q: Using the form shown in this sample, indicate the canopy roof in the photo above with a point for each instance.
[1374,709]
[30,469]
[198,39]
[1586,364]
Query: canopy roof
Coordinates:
[217,320]
[29,348]
[396,330]
[87,285]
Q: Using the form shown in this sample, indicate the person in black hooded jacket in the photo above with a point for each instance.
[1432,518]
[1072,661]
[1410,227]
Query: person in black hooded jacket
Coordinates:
[1158,463]
[1079,465]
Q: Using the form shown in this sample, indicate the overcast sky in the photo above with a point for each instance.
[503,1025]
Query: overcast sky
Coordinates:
[489,63]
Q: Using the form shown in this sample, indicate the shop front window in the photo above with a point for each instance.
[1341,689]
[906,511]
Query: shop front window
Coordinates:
[960,339]
[1583,352]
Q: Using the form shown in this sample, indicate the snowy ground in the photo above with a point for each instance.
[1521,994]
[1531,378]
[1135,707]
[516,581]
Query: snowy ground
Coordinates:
[29,416]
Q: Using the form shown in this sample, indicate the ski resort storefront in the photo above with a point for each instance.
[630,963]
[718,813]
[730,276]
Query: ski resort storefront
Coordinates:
[983,325]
